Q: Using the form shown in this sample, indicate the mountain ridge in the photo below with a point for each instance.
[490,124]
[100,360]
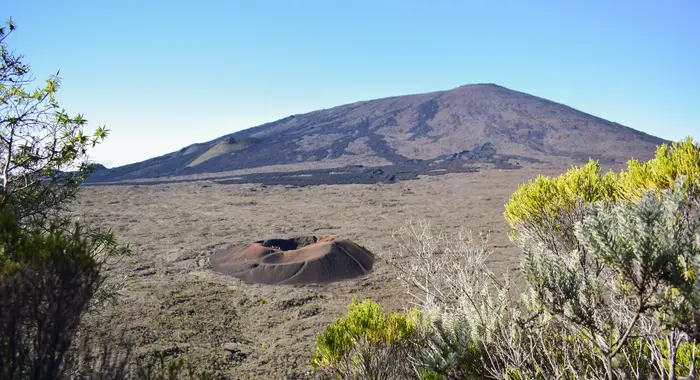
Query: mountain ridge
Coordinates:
[396,130]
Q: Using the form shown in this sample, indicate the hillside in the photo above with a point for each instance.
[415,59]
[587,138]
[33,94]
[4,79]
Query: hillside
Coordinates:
[441,130]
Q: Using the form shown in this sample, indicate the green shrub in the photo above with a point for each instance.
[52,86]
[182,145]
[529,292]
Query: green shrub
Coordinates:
[615,256]
[611,263]
[680,159]
[546,209]
[49,275]
[449,350]
[366,343]
[685,356]
[550,197]
[51,269]
[634,263]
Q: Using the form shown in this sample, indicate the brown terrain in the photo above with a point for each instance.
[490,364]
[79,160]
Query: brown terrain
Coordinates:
[451,157]
[174,301]
[421,133]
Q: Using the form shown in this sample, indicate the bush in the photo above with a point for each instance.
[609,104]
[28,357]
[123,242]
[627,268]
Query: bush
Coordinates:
[547,209]
[49,277]
[608,254]
[680,159]
[44,150]
[367,344]
[449,349]
[610,263]
[52,269]
[463,305]
[637,267]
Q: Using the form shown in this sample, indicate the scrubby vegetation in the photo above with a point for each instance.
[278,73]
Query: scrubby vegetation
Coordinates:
[365,343]
[53,270]
[52,267]
[610,263]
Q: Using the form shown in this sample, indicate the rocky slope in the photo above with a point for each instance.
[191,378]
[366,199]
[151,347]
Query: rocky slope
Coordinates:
[472,123]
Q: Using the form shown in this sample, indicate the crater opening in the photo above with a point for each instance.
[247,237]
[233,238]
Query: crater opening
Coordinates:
[299,260]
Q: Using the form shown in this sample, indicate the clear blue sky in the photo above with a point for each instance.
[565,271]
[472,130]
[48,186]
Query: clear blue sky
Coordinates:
[163,74]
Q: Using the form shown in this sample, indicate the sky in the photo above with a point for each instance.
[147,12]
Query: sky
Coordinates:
[161,75]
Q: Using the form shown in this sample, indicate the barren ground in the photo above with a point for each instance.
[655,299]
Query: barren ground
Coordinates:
[174,301]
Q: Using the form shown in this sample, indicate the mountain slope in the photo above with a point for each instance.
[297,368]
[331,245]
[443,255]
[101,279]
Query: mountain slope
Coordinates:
[507,124]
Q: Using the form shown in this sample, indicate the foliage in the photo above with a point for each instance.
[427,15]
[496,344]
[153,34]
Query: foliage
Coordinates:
[50,274]
[546,209]
[650,247]
[472,329]
[680,159]
[610,255]
[449,350]
[366,343]
[615,256]
[636,263]
[52,269]
[610,263]
[43,150]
